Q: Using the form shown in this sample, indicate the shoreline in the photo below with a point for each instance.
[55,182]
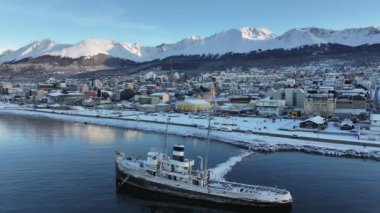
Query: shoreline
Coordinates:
[253,142]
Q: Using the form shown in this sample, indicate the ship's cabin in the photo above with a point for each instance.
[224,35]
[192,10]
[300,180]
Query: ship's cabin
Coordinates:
[176,168]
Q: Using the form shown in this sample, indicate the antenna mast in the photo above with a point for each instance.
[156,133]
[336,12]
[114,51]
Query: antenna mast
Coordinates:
[166,133]
[208,136]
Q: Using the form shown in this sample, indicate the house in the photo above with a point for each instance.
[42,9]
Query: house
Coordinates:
[206,96]
[316,122]
[56,97]
[84,88]
[5,87]
[375,121]
[144,99]
[46,86]
[347,124]
[234,109]
[240,99]
[90,101]
[163,96]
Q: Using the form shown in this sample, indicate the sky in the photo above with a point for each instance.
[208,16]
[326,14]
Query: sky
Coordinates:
[154,22]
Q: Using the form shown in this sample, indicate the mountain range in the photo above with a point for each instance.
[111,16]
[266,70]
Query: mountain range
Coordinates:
[243,40]
[245,48]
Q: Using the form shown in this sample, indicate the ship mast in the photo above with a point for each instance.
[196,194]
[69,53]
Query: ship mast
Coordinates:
[208,142]
[166,133]
[208,137]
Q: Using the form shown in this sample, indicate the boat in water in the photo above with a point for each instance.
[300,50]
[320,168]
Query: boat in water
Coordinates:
[174,176]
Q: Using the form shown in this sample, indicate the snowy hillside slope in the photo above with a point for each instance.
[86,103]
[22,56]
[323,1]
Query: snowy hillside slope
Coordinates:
[33,50]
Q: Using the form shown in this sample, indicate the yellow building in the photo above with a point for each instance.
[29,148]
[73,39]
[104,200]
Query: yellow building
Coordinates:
[192,105]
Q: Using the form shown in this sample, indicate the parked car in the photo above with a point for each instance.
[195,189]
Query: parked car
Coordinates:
[226,129]
[200,126]
[215,127]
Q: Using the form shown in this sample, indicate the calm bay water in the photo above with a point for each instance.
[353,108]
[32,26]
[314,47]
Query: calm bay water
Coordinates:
[53,166]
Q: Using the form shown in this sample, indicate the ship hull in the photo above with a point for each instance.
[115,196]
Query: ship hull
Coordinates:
[123,184]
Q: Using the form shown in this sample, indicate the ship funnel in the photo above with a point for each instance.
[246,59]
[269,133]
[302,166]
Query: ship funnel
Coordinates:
[178,152]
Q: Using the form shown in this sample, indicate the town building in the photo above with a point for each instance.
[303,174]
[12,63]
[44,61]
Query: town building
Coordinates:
[162,96]
[316,122]
[144,99]
[160,107]
[234,109]
[320,100]
[347,124]
[5,88]
[56,97]
[269,107]
[294,97]
[375,122]
[192,105]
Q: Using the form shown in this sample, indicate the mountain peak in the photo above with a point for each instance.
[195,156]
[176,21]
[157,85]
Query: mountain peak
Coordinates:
[303,35]
[32,50]
[195,37]
[46,41]
[256,33]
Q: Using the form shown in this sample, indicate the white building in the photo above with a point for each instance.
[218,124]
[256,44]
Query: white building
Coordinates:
[163,96]
[270,107]
[150,76]
[294,97]
[320,100]
[375,121]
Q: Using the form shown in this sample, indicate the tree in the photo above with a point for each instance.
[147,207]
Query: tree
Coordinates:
[204,89]
[127,94]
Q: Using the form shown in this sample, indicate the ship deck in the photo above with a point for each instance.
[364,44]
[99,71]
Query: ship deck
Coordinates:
[222,189]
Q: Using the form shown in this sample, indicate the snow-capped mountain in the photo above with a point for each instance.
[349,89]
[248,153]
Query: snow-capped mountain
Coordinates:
[33,50]
[92,47]
[309,36]
[6,52]
[234,40]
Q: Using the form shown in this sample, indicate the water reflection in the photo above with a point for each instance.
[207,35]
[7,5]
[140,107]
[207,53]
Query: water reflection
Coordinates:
[163,203]
[133,134]
[43,159]
[4,130]
[29,126]
[96,135]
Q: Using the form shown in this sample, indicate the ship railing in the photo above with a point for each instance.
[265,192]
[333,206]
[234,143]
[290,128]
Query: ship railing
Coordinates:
[180,175]
[132,163]
[150,167]
[247,187]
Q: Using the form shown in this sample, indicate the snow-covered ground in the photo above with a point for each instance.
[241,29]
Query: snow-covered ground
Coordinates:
[6,105]
[146,122]
[286,127]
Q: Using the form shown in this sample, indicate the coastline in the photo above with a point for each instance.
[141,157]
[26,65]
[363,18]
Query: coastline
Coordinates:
[260,142]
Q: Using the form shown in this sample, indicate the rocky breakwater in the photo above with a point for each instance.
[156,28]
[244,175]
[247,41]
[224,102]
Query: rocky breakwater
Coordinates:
[264,147]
